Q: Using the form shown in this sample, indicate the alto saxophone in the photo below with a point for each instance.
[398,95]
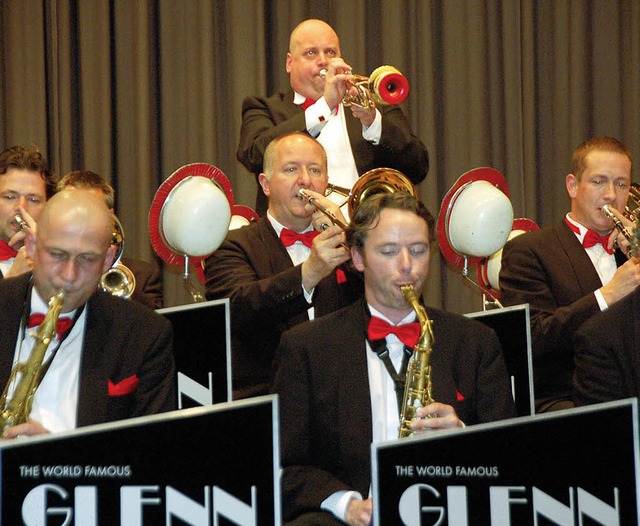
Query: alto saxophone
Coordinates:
[16,411]
[417,390]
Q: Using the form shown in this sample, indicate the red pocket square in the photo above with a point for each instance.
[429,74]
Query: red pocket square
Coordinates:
[124,387]
[341,277]
[459,396]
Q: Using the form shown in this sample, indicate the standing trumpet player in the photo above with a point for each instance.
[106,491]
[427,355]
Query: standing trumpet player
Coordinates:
[340,378]
[356,139]
[110,359]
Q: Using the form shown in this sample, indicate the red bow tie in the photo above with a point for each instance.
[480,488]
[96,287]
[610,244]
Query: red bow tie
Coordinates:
[407,333]
[307,103]
[289,237]
[62,326]
[6,252]
[592,238]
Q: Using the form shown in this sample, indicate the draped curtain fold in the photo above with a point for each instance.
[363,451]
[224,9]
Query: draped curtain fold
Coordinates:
[135,90]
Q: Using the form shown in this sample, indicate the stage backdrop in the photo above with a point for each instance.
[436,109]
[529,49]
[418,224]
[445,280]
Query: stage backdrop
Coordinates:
[135,90]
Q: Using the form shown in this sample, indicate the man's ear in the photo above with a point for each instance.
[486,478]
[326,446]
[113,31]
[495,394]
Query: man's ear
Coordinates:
[287,64]
[357,258]
[572,185]
[264,182]
[109,258]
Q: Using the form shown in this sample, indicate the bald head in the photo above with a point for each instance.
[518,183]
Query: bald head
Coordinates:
[72,248]
[80,210]
[311,27]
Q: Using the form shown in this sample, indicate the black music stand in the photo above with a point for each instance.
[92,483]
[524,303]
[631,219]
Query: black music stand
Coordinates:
[513,327]
[202,350]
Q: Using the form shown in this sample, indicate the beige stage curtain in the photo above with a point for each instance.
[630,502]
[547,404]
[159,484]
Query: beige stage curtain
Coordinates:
[135,89]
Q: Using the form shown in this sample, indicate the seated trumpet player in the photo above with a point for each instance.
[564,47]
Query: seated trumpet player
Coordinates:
[86,357]
[279,271]
[142,280]
[341,379]
[356,139]
[571,271]
[25,185]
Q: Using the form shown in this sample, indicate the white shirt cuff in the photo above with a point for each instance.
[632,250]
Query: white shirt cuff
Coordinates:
[600,299]
[373,133]
[337,502]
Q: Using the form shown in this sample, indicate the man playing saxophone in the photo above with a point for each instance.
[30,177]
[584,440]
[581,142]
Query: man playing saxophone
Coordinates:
[109,359]
[340,378]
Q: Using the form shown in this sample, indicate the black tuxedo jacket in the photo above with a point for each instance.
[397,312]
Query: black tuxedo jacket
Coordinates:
[322,381]
[122,339]
[607,354]
[265,118]
[253,269]
[149,289]
[550,270]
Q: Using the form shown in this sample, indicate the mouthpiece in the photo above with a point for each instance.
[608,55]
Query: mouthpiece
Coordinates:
[323,73]
[21,223]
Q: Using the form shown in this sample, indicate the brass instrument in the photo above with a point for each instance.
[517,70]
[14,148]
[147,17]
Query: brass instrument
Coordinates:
[118,280]
[417,390]
[21,223]
[17,410]
[376,181]
[632,208]
[385,86]
[632,237]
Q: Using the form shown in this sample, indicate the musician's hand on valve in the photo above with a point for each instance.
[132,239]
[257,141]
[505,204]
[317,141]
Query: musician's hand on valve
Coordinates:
[19,236]
[327,253]
[30,428]
[617,239]
[321,221]
[624,281]
[21,264]
[435,416]
[336,82]
[359,512]
[366,116]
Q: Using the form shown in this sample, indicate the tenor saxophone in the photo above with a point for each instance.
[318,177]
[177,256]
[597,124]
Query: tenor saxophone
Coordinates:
[16,411]
[417,390]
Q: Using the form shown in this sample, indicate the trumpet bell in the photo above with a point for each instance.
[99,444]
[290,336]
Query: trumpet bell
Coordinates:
[388,86]
[118,281]
[377,181]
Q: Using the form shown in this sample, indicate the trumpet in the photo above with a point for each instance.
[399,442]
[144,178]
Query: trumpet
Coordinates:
[21,223]
[119,280]
[384,87]
[633,237]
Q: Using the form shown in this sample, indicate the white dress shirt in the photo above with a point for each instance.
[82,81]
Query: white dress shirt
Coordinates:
[56,400]
[604,263]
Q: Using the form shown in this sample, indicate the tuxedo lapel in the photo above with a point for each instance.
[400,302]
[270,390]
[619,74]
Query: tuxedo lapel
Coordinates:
[584,272]
[279,258]
[354,391]
[92,397]
[13,297]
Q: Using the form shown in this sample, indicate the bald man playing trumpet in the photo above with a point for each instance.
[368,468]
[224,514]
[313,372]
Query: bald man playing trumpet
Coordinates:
[112,359]
[356,139]
[280,271]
